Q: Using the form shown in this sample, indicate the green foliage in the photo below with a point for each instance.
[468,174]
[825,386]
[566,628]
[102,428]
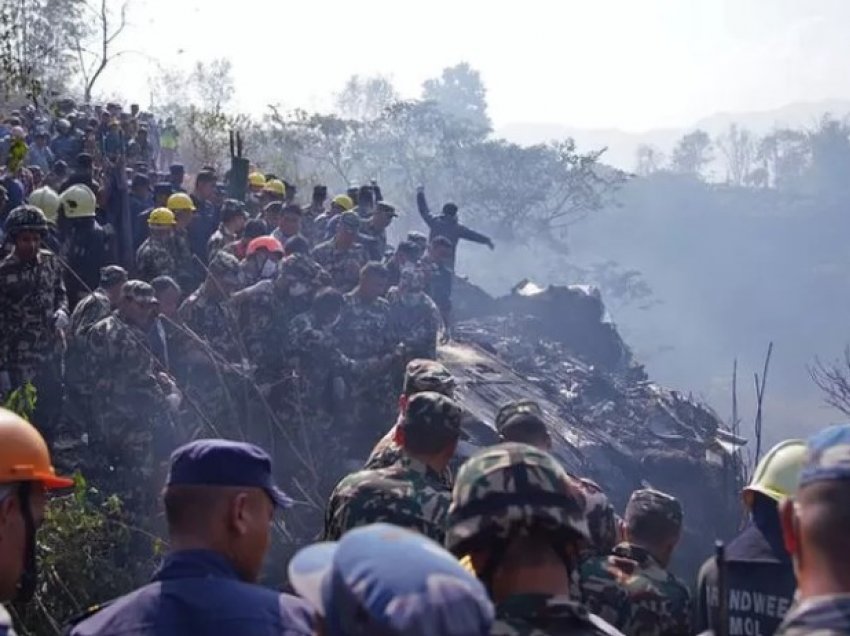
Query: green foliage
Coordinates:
[88,553]
[36,44]
[22,401]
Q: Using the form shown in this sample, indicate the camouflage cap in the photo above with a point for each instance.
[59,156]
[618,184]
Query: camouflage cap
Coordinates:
[520,412]
[827,456]
[648,502]
[434,411]
[417,238]
[139,291]
[427,375]
[111,275]
[349,220]
[387,207]
[511,487]
[225,267]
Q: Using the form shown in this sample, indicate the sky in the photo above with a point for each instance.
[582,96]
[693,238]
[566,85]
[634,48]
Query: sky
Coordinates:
[628,64]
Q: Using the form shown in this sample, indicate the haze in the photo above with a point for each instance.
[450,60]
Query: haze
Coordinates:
[601,64]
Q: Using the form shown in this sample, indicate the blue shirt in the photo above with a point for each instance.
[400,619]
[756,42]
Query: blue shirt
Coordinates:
[198,592]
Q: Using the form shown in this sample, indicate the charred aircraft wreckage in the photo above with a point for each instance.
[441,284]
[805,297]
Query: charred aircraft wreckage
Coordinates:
[607,419]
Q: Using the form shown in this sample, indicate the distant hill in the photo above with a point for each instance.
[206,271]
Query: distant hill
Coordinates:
[622,145]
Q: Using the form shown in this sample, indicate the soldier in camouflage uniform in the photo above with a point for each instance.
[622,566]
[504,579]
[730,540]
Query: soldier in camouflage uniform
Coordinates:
[518,520]
[419,375]
[156,256]
[523,421]
[33,315]
[266,308]
[131,404]
[376,229]
[364,331]
[79,376]
[342,257]
[405,255]
[341,203]
[414,317]
[310,397]
[816,531]
[213,349]
[411,492]
[632,589]
[233,220]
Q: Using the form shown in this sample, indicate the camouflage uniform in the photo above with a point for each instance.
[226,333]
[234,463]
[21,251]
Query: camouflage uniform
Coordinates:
[209,380]
[502,491]
[30,348]
[363,331]
[413,315]
[419,375]
[303,277]
[131,417]
[409,493]
[378,244]
[219,240]
[630,589]
[827,460]
[342,265]
[79,375]
[154,258]
[189,274]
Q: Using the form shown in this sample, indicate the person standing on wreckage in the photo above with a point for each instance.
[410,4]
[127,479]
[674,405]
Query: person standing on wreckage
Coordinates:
[447,224]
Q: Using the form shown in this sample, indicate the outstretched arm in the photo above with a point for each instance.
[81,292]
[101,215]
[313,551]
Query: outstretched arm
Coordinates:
[422,205]
[476,237]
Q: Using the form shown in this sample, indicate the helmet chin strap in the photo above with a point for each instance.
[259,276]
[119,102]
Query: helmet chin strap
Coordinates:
[29,579]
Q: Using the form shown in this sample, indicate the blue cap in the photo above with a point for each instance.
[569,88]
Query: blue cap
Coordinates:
[220,462]
[383,580]
[827,456]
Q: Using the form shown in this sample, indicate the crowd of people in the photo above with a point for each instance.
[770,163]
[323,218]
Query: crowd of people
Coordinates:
[265,323]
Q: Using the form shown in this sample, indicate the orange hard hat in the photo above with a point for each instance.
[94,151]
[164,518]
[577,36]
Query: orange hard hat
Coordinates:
[24,455]
[268,243]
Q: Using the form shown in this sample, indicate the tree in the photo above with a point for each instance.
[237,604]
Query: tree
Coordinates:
[94,60]
[460,93]
[537,192]
[784,155]
[199,103]
[739,149]
[692,153]
[365,98]
[830,156]
[833,379]
[648,160]
[36,45]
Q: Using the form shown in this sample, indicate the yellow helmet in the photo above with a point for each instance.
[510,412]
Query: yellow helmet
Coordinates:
[256,180]
[778,472]
[46,200]
[79,202]
[161,217]
[180,201]
[275,186]
[344,201]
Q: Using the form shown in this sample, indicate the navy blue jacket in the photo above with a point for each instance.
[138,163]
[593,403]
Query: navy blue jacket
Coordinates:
[198,592]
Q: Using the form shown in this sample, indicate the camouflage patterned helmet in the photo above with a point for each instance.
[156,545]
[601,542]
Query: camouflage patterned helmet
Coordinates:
[513,487]
[25,218]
